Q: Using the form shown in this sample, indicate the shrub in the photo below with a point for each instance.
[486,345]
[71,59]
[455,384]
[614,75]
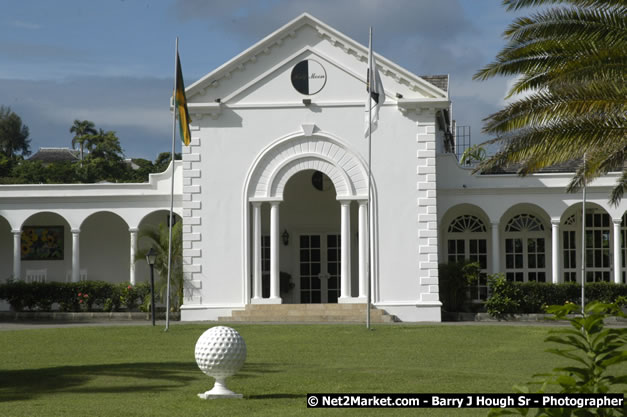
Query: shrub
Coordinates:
[41,296]
[532,297]
[505,298]
[454,279]
[592,349]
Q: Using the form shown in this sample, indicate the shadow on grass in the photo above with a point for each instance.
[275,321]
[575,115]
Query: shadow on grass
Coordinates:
[24,384]
[275,396]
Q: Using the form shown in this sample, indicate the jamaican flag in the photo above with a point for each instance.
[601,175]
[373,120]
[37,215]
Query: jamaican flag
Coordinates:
[180,101]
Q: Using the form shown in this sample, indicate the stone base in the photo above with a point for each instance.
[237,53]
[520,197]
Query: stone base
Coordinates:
[219,390]
[276,300]
[352,300]
[208,396]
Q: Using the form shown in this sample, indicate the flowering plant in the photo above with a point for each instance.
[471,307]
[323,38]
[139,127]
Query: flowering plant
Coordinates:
[130,298]
[83,301]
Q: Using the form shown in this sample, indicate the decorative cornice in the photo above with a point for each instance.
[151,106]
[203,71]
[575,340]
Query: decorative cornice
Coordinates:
[335,38]
[420,105]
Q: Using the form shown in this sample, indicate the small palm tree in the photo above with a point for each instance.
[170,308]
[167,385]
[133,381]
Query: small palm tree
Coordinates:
[571,63]
[472,155]
[83,131]
[158,239]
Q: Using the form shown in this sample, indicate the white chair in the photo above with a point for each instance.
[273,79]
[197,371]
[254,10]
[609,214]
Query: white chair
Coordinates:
[36,275]
[82,275]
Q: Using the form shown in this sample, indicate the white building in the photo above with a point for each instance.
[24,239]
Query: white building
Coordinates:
[275,181]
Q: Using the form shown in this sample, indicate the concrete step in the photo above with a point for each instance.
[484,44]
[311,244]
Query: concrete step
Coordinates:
[309,313]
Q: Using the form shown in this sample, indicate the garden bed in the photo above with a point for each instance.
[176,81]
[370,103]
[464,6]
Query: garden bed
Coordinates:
[81,316]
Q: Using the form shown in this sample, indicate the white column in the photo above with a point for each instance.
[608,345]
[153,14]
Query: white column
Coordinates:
[617,252]
[363,249]
[76,263]
[256,251]
[496,249]
[345,274]
[555,250]
[274,251]
[133,233]
[17,254]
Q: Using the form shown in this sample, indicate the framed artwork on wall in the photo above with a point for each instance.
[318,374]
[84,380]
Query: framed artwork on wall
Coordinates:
[42,243]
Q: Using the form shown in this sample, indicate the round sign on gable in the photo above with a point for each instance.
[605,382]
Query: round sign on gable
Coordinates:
[308,77]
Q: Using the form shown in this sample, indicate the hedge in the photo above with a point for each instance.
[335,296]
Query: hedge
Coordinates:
[533,297]
[73,296]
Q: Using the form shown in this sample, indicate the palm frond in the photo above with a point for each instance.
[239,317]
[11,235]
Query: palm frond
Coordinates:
[570,24]
[557,142]
[567,101]
[619,189]
[519,4]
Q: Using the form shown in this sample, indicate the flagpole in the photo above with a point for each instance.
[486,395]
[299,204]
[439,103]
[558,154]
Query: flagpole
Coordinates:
[371,80]
[171,218]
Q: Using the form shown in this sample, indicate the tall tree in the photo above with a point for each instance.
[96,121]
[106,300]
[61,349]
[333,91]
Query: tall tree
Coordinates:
[13,134]
[104,145]
[105,161]
[571,63]
[82,133]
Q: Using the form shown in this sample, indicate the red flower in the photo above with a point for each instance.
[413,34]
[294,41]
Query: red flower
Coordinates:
[80,301]
[130,287]
[80,294]
[85,295]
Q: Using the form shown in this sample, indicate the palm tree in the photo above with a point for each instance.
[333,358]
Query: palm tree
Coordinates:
[473,155]
[158,239]
[570,63]
[82,133]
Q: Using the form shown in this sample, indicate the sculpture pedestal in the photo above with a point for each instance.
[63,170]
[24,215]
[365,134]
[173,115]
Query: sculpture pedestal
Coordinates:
[219,390]
[220,352]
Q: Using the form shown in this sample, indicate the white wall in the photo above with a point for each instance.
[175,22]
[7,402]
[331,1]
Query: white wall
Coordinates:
[260,110]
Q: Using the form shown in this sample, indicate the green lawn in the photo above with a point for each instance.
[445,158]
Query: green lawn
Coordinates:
[142,371]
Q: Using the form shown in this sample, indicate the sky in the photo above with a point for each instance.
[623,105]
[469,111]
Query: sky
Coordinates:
[112,61]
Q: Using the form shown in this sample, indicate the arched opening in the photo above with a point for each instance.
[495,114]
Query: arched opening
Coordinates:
[312,215]
[599,236]
[466,237]
[46,247]
[526,243]
[623,249]
[526,248]
[104,248]
[155,224]
[306,180]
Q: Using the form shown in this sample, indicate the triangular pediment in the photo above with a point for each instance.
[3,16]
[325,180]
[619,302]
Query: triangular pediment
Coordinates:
[261,75]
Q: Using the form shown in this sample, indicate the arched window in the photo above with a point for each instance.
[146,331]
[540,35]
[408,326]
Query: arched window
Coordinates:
[597,246]
[569,247]
[467,240]
[525,249]
[623,247]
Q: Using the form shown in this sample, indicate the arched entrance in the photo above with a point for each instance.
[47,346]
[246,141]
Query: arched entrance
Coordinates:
[295,160]
[104,248]
[312,216]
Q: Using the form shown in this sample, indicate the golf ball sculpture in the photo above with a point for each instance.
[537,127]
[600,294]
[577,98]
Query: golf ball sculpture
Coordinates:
[220,352]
